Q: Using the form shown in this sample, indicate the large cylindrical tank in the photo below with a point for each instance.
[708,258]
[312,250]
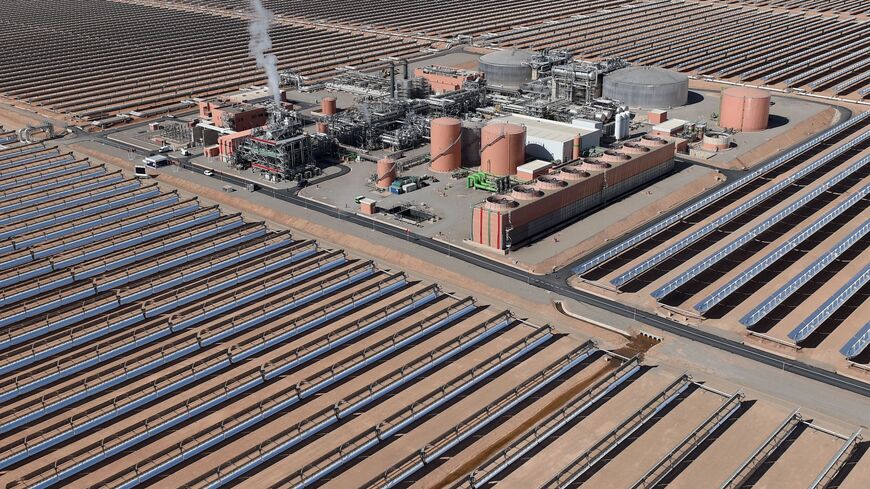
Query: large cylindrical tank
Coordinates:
[386,172]
[471,142]
[503,148]
[322,128]
[647,86]
[446,147]
[327,106]
[744,109]
[508,68]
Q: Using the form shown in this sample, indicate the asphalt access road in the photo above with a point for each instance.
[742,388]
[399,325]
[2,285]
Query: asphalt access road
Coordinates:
[557,284]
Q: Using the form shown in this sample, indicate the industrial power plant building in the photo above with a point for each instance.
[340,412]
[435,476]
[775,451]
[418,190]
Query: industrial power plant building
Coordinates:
[552,140]
[530,210]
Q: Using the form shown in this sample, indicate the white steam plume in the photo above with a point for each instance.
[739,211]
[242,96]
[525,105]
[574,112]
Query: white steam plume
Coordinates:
[260,43]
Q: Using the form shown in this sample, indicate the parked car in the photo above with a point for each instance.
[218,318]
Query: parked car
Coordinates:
[165,149]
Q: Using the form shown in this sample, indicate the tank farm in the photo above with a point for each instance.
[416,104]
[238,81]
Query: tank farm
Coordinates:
[459,244]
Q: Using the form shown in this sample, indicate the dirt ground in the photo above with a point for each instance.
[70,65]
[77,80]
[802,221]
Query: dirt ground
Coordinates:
[795,135]
[13,116]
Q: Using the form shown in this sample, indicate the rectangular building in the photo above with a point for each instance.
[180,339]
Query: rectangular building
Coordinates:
[229,143]
[512,220]
[533,170]
[443,79]
[551,140]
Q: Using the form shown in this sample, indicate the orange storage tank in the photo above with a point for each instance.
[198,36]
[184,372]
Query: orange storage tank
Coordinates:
[322,128]
[744,109]
[576,153]
[503,148]
[327,106]
[446,148]
[386,172]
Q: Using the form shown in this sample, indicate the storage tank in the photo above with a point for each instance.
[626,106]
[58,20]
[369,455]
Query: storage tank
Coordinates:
[508,68]
[322,128]
[503,148]
[327,106]
[621,129]
[716,141]
[626,127]
[744,109]
[386,172]
[647,86]
[446,147]
[471,142]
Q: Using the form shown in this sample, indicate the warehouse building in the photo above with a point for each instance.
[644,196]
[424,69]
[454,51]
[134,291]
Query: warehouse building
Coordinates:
[551,140]
[442,79]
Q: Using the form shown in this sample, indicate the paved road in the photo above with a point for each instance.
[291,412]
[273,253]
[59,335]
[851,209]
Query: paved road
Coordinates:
[557,283]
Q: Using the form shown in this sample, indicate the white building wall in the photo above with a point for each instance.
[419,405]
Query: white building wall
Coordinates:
[547,149]
[590,140]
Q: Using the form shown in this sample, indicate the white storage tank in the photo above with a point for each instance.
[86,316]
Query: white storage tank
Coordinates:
[508,68]
[622,121]
[647,86]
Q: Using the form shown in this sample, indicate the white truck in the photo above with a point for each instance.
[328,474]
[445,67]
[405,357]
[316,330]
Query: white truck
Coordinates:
[156,161]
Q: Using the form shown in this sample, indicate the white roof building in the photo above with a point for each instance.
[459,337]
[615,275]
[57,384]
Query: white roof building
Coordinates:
[552,140]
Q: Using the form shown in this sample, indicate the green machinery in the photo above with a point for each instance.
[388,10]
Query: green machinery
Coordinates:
[491,183]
